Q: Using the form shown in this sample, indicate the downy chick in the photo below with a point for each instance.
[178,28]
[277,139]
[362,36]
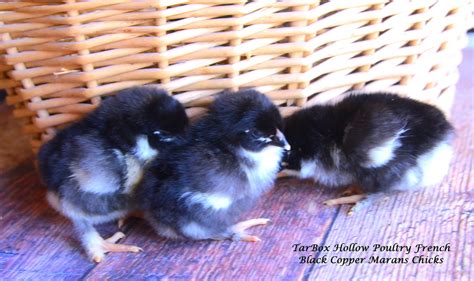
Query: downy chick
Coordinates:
[377,142]
[92,167]
[200,190]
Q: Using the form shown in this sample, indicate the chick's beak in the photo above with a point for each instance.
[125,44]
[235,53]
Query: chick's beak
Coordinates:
[280,140]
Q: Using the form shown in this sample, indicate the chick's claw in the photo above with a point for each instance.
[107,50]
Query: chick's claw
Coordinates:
[249,238]
[357,207]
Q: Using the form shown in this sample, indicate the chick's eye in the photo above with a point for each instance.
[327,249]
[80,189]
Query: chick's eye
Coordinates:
[258,136]
[164,136]
[254,134]
[264,139]
[161,133]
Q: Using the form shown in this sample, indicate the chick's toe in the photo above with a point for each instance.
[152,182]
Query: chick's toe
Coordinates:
[116,237]
[121,223]
[243,225]
[110,245]
[249,238]
[360,201]
[97,258]
[239,230]
[352,199]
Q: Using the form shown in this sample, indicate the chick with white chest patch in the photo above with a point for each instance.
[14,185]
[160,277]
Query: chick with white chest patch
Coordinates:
[376,142]
[92,167]
[200,190]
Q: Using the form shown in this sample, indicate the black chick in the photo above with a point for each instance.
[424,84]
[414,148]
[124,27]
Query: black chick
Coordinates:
[92,167]
[377,142]
[201,189]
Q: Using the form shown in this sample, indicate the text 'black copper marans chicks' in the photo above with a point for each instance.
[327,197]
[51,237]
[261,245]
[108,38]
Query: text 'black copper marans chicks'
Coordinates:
[201,189]
[92,167]
[378,141]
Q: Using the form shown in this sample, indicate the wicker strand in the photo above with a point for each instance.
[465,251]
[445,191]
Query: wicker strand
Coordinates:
[62,57]
[369,52]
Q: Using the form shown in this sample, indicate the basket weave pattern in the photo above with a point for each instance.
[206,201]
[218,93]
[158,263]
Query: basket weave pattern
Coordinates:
[58,58]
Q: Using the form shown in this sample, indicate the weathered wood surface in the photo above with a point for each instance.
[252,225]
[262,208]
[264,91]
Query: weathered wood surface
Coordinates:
[35,242]
[14,147]
[295,217]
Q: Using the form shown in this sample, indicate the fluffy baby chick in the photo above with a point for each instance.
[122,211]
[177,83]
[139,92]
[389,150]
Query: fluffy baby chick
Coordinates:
[202,188]
[377,142]
[92,167]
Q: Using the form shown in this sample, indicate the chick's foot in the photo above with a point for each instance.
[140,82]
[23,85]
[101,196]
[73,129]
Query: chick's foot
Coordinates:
[116,237]
[352,195]
[360,201]
[352,199]
[110,245]
[239,229]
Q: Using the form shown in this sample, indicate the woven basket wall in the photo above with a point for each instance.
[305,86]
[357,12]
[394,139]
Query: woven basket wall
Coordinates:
[60,57]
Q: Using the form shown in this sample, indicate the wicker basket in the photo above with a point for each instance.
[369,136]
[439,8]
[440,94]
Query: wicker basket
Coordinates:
[61,57]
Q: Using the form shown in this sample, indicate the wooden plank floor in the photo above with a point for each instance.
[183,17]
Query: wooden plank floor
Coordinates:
[35,242]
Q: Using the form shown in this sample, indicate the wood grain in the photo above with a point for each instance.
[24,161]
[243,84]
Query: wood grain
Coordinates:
[62,56]
[296,217]
[36,242]
[14,148]
[434,216]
